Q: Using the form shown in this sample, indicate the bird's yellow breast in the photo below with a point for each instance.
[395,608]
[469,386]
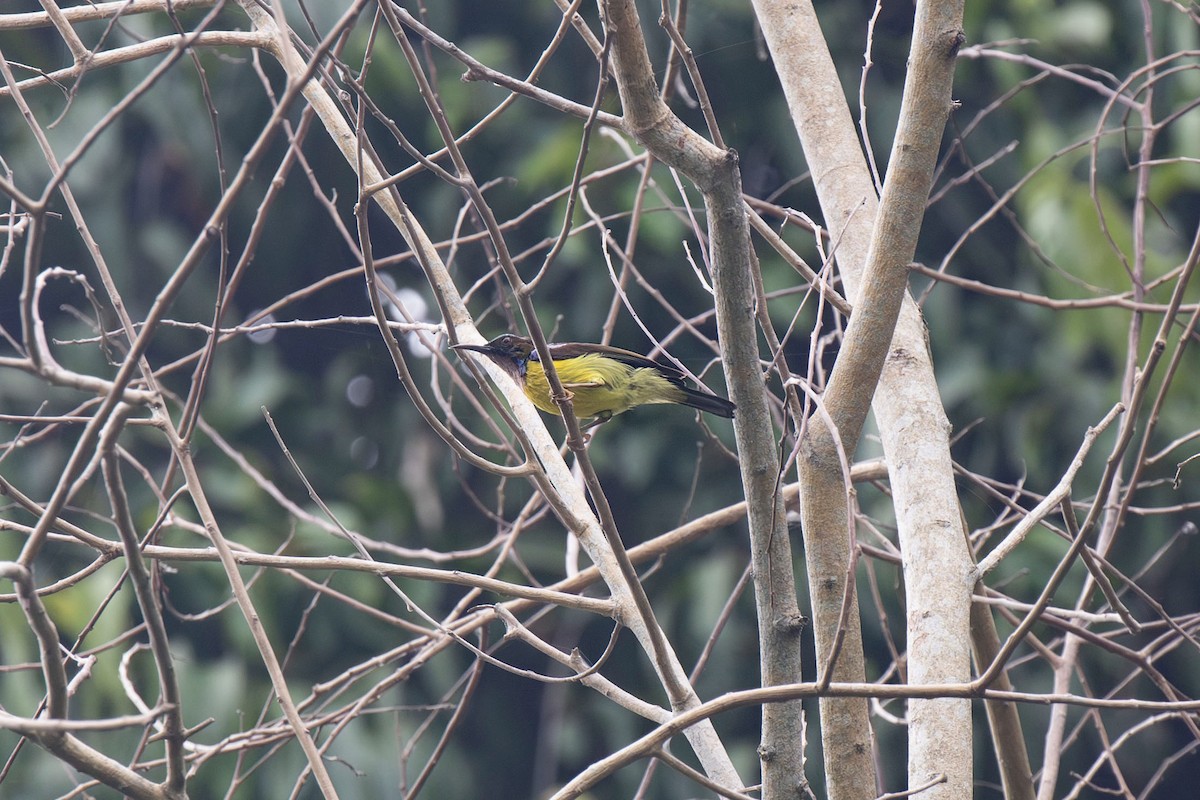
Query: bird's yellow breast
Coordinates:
[599,385]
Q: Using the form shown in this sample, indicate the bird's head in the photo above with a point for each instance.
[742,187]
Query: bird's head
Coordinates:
[508,350]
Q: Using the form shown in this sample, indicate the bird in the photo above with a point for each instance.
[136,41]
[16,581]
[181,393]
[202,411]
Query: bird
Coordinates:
[603,381]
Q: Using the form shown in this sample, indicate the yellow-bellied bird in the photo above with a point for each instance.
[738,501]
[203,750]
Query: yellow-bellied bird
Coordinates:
[603,381]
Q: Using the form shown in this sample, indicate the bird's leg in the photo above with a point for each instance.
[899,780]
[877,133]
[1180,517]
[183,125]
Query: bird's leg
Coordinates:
[597,421]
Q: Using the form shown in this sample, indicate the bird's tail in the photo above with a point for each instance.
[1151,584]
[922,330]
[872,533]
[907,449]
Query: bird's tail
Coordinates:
[711,403]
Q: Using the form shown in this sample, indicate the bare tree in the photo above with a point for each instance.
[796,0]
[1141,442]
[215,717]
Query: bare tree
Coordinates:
[226,218]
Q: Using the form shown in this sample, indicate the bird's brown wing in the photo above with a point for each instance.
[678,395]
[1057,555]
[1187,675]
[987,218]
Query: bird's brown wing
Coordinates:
[575,349]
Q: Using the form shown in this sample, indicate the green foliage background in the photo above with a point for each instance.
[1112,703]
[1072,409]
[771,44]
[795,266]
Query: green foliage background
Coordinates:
[1023,382]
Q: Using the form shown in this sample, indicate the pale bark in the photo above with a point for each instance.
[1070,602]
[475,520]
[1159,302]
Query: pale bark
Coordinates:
[715,172]
[885,343]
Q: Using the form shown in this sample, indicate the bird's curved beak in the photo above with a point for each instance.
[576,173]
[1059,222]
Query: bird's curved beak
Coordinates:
[474,348]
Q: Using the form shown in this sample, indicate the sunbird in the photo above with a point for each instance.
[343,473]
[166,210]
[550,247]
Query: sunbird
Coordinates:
[603,381]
